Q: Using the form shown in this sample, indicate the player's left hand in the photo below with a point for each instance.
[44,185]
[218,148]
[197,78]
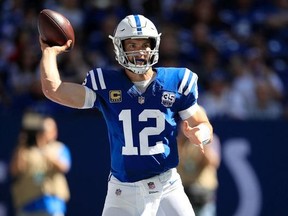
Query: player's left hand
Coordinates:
[193,134]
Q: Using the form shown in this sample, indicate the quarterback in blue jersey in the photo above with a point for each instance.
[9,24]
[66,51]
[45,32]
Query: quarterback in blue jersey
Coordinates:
[144,107]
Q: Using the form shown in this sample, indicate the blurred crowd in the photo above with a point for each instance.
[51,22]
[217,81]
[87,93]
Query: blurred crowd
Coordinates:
[237,48]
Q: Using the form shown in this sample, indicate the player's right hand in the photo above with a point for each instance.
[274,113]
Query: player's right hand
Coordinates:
[56,49]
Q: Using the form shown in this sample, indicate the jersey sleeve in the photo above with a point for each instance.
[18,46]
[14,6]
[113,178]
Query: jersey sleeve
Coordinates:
[93,82]
[65,155]
[188,89]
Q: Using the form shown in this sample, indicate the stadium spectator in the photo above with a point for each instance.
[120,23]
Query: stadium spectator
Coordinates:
[265,106]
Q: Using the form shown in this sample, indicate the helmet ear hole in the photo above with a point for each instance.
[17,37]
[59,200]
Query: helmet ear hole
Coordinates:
[122,44]
[153,43]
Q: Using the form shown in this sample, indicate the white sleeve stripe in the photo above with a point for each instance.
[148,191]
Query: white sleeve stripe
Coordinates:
[93,81]
[185,114]
[184,81]
[101,79]
[190,84]
[90,98]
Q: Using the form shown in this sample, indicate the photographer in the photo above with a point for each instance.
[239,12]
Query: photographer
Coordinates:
[38,168]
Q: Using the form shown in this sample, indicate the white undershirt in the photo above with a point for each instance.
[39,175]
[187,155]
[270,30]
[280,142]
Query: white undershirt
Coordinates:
[142,85]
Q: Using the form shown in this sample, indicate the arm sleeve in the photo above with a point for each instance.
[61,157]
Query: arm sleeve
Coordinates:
[65,156]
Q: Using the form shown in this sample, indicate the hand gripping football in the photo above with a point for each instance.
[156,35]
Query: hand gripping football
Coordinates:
[55,29]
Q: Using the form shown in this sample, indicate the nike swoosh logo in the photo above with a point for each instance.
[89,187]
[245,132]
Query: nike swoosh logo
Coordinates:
[172,182]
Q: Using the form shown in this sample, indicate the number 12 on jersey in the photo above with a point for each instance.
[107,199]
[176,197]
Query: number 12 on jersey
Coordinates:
[144,148]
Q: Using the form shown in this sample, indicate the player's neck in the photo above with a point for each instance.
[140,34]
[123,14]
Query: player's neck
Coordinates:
[140,77]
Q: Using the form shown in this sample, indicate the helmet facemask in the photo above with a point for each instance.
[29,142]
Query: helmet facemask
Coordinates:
[127,29]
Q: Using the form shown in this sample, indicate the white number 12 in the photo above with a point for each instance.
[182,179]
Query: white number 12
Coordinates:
[145,149]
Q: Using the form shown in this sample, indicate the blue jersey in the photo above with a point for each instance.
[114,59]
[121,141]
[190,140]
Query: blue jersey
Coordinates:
[142,127]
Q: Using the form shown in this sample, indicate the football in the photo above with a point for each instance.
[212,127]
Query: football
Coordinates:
[55,29]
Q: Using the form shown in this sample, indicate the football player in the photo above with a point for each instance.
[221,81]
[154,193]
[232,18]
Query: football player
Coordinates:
[143,106]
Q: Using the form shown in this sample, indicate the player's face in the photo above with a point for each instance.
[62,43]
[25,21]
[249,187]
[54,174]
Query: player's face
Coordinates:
[138,50]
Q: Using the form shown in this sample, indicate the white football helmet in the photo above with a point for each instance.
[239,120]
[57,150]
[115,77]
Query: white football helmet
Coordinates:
[134,27]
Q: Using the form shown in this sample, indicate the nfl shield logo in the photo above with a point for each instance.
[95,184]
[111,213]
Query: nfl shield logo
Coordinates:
[118,192]
[151,185]
[141,99]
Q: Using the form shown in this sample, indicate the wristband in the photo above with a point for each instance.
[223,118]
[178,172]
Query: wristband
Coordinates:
[204,133]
